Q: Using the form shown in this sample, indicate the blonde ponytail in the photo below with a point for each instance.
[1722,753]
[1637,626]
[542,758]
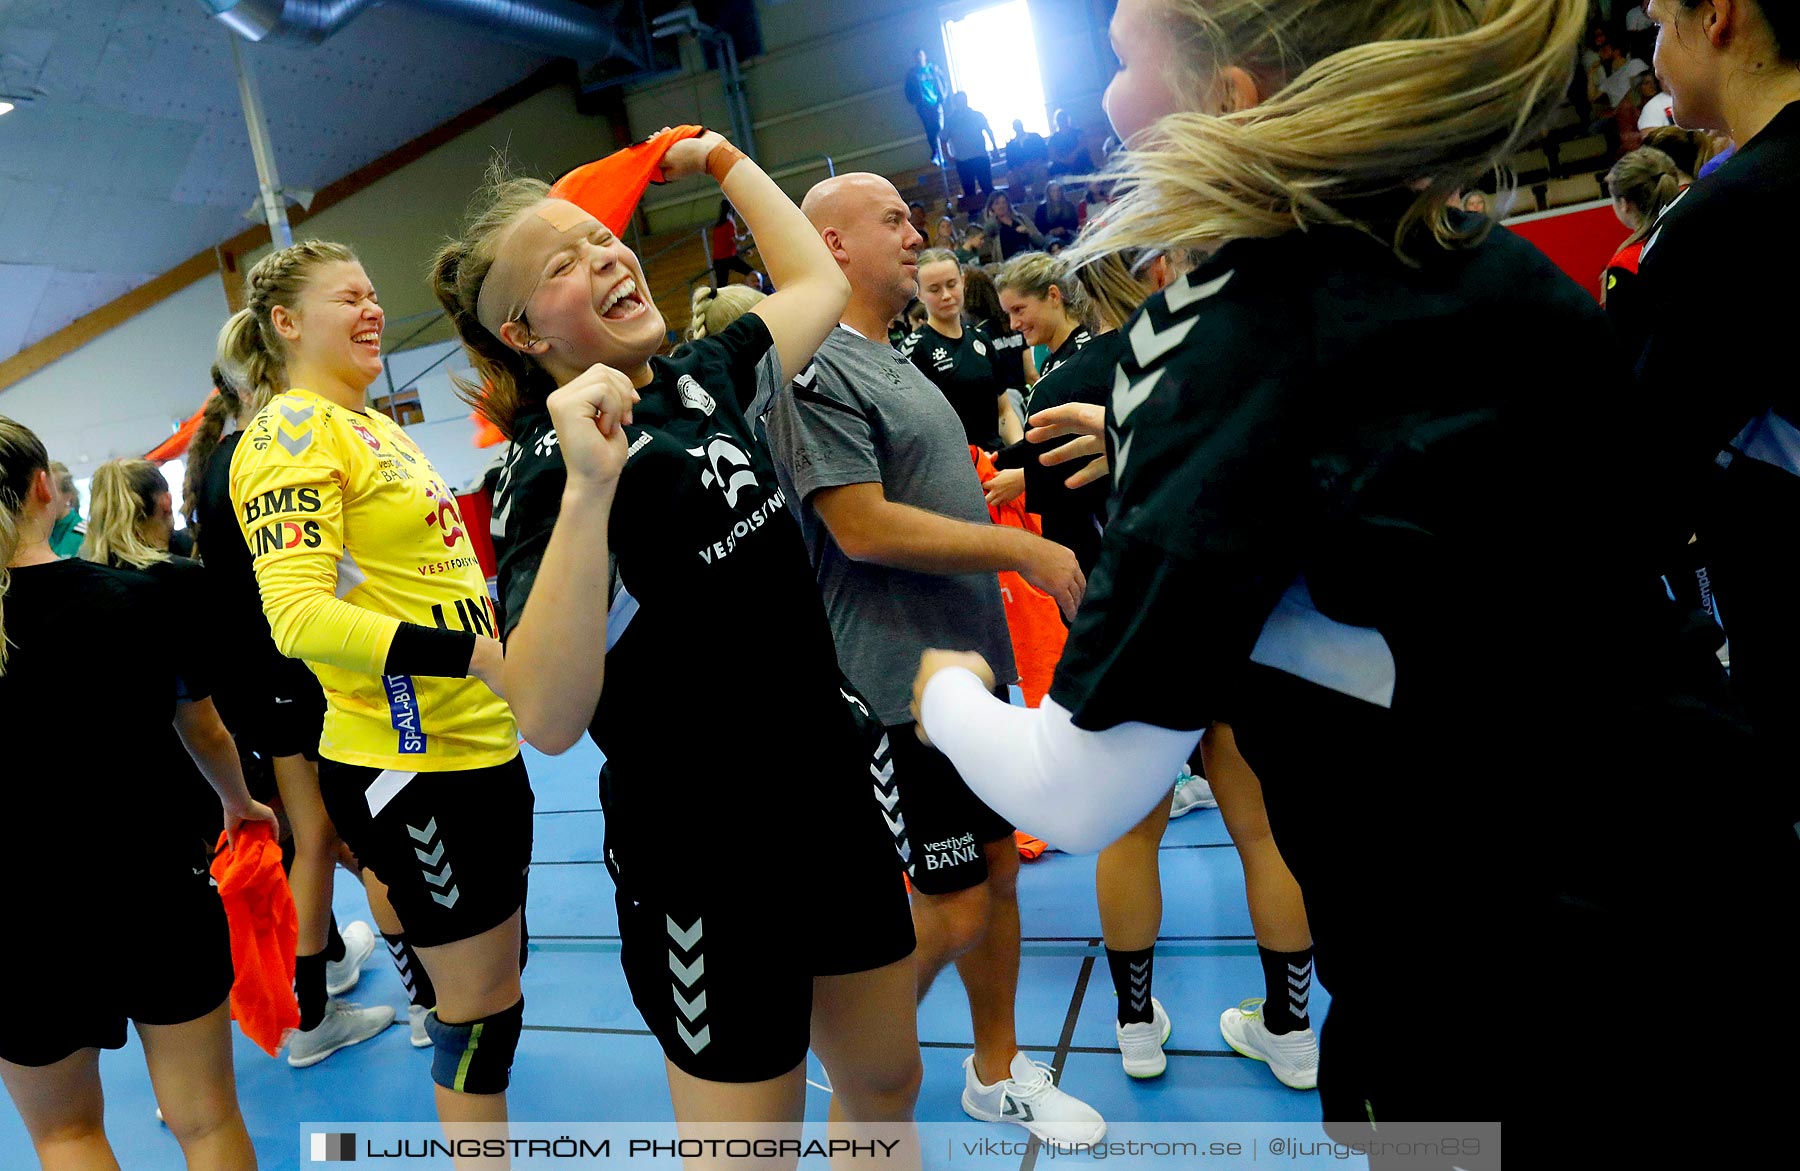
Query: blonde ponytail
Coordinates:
[1648,180]
[1366,100]
[22,456]
[715,309]
[123,494]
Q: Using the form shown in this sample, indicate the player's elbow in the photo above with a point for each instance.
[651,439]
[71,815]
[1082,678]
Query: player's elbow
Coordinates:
[547,733]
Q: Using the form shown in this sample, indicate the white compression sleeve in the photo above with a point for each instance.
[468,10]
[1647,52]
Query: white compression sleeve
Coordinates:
[1078,790]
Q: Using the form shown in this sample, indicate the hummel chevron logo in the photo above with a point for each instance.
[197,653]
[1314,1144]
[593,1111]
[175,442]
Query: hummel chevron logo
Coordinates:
[896,825]
[683,939]
[691,1009]
[439,879]
[426,834]
[433,858]
[1123,449]
[1149,344]
[888,799]
[1128,396]
[294,445]
[294,417]
[695,1041]
[448,900]
[687,973]
[1014,1108]
[1183,293]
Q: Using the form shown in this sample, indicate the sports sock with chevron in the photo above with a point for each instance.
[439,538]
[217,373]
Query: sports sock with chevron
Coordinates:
[309,989]
[1287,984]
[413,977]
[1131,973]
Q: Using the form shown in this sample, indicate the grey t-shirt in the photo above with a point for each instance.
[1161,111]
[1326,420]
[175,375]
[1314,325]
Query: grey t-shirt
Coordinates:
[859,414]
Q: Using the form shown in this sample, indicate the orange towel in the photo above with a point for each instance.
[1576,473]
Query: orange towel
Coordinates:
[609,189]
[1030,848]
[265,930]
[1032,617]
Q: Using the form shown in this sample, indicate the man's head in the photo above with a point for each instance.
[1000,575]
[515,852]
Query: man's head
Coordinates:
[864,222]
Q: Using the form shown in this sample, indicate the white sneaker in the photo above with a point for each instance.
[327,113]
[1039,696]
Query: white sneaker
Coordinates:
[1293,1057]
[1191,793]
[1030,1098]
[359,944]
[343,1024]
[415,1016]
[1140,1043]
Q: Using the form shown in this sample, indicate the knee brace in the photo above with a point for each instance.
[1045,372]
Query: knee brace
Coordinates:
[475,1058]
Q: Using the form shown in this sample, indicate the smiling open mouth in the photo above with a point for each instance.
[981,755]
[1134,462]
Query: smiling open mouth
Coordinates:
[368,337]
[623,303]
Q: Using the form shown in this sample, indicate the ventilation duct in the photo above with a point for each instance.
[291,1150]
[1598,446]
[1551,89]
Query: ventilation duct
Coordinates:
[554,27]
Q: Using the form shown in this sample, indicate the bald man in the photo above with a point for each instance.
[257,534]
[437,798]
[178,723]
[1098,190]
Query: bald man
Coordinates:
[874,457]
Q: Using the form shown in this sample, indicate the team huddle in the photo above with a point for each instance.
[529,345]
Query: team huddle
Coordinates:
[1293,539]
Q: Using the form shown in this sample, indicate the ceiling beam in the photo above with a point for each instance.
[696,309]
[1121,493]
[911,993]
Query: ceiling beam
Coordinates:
[222,259]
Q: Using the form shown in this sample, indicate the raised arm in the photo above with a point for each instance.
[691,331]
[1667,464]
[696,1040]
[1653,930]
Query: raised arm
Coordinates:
[870,527]
[811,290]
[555,661]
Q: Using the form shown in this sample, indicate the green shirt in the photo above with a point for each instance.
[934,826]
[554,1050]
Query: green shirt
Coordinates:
[67,536]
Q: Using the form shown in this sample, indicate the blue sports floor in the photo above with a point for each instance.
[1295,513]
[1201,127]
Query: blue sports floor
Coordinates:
[585,1055]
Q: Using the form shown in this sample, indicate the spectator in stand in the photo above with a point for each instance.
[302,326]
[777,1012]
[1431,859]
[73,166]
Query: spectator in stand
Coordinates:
[1612,76]
[1057,217]
[1067,155]
[1027,159]
[1641,184]
[1475,202]
[967,139]
[68,534]
[725,240]
[1014,232]
[925,90]
[1655,108]
[943,233]
[915,215]
[1640,33]
[974,248]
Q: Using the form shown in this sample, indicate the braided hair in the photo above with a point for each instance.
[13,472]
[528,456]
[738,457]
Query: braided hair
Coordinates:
[251,355]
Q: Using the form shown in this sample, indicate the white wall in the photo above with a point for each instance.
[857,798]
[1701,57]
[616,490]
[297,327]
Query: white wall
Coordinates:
[125,391]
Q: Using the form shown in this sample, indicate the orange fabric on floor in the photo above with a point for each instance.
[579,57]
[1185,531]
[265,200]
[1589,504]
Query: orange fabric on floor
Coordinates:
[1030,848]
[265,931]
[1032,617]
[609,189]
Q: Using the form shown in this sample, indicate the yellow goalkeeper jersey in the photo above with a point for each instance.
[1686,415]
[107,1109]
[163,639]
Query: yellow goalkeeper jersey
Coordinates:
[353,534]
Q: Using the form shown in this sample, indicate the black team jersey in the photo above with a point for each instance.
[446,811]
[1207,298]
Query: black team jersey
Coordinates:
[1081,371]
[1296,442]
[1726,411]
[964,369]
[718,651]
[1072,345]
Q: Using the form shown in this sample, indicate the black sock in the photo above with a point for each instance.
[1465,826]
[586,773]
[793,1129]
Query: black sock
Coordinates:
[412,973]
[1131,973]
[1287,986]
[334,943]
[309,988]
